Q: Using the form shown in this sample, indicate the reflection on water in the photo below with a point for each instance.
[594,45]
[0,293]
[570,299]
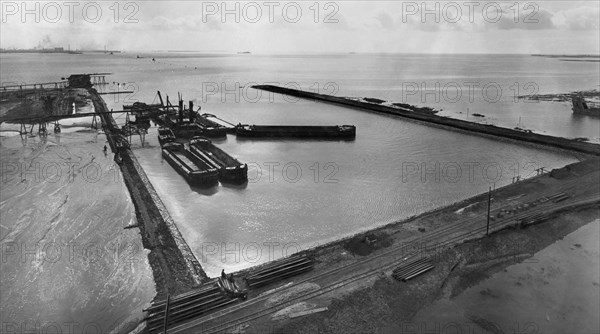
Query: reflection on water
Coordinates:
[555,291]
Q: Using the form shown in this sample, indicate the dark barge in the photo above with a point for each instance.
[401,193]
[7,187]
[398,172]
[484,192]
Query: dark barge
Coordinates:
[210,128]
[196,171]
[165,135]
[297,131]
[230,169]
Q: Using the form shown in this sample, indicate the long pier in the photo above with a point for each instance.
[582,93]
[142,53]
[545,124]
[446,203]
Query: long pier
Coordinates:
[175,268]
[557,142]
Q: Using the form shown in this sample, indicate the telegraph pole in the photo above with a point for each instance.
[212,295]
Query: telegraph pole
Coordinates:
[487,231]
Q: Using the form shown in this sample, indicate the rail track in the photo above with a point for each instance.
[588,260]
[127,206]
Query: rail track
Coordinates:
[439,238]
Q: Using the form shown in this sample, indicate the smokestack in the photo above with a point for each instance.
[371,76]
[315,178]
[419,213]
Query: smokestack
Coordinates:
[191,111]
[180,111]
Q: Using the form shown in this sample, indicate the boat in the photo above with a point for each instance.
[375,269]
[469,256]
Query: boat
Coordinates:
[195,171]
[182,129]
[296,131]
[165,135]
[230,169]
[209,128]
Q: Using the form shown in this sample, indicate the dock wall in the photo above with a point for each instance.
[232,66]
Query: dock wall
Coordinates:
[175,268]
[557,142]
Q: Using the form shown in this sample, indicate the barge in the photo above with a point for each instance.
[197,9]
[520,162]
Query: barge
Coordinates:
[165,135]
[230,169]
[209,128]
[297,131]
[194,170]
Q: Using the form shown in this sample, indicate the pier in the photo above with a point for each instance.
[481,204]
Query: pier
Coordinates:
[428,118]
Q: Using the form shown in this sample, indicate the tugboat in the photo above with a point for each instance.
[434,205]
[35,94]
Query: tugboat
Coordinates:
[230,169]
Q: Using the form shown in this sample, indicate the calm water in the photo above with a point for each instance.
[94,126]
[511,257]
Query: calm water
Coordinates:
[304,193]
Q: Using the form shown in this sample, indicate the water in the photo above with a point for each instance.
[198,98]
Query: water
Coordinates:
[305,193]
[66,259]
[555,291]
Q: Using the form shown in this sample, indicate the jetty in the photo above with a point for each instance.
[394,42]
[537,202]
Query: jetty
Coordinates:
[432,119]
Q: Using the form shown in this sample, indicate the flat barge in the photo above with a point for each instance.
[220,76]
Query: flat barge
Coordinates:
[230,169]
[210,128]
[196,171]
[297,131]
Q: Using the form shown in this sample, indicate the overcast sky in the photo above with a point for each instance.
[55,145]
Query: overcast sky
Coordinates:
[556,27]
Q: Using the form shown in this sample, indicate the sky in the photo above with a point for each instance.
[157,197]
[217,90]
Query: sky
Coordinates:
[530,27]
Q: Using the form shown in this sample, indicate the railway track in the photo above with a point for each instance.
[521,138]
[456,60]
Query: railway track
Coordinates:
[439,238]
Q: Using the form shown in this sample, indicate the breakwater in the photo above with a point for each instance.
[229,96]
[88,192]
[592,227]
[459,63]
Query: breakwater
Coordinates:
[175,268]
[522,136]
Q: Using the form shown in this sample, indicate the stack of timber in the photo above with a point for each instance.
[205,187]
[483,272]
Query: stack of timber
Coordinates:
[196,171]
[186,306]
[230,169]
[279,270]
[412,269]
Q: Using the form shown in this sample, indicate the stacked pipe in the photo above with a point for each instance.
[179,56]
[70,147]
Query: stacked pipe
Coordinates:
[186,306]
[558,197]
[533,219]
[412,269]
[279,270]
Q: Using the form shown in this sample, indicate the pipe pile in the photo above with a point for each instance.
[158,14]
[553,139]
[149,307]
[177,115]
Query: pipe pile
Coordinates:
[279,270]
[412,269]
[186,306]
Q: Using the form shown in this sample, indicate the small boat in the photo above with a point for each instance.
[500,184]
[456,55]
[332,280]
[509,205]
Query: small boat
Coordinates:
[230,169]
[165,135]
[296,131]
[209,128]
[195,171]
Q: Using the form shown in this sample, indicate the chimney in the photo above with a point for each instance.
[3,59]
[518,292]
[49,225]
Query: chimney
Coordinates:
[180,111]
[191,111]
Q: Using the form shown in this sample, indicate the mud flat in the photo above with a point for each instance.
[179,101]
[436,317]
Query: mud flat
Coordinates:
[456,124]
[175,268]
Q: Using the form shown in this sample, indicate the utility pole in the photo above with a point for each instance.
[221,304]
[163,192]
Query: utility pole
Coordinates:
[167,313]
[487,231]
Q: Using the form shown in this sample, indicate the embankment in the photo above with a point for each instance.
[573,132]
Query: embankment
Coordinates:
[175,268]
[522,136]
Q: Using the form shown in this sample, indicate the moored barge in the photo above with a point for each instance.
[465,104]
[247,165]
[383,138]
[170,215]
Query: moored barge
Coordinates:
[195,171]
[297,131]
[165,135]
[230,169]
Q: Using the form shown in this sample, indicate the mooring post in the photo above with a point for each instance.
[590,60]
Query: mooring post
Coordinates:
[167,313]
[487,231]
